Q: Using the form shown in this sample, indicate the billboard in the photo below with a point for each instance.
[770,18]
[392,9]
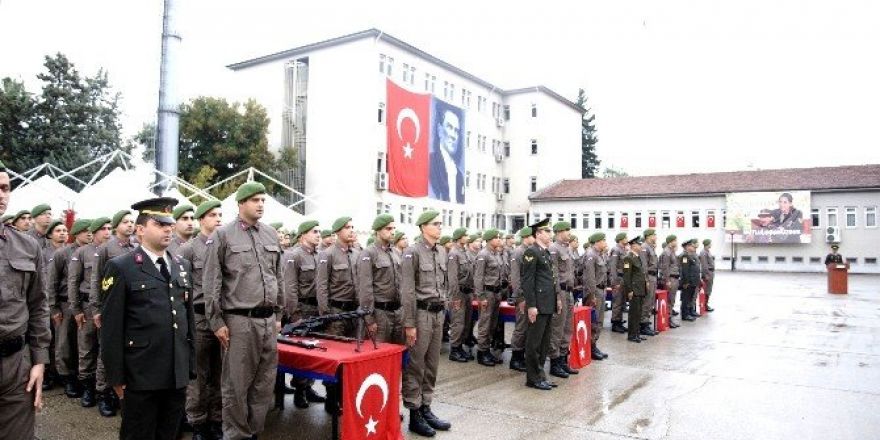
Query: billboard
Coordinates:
[425,146]
[768,217]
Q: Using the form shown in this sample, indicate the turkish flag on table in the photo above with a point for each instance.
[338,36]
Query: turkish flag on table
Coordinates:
[371,399]
[580,347]
[661,319]
[409,131]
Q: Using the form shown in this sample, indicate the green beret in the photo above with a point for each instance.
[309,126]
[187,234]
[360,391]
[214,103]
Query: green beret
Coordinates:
[490,234]
[707,242]
[117,218]
[561,226]
[618,237]
[427,216]
[306,226]
[180,210]
[80,226]
[649,232]
[525,232]
[340,223]
[98,223]
[397,236]
[55,223]
[381,221]
[670,238]
[458,233]
[276,225]
[371,240]
[248,190]
[20,214]
[474,237]
[326,233]
[206,207]
[445,239]
[39,209]
[597,237]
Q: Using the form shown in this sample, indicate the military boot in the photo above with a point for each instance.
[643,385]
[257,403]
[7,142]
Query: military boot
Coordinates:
[418,425]
[88,397]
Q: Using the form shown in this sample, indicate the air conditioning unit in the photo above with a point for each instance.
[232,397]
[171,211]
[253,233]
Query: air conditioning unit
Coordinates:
[381,181]
[499,157]
[499,197]
[832,234]
[499,123]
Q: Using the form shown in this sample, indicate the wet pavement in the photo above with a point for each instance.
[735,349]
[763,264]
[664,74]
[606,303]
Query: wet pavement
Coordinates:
[778,359]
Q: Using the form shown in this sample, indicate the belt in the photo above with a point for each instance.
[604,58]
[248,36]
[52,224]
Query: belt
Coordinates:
[467,290]
[711,270]
[11,346]
[674,276]
[600,286]
[431,306]
[83,297]
[652,272]
[620,274]
[256,312]
[391,306]
[493,289]
[61,298]
[310,300]
[348,306]
[565,287]
[199,308]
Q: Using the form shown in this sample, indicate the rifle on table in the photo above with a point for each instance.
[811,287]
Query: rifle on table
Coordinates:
[310,326]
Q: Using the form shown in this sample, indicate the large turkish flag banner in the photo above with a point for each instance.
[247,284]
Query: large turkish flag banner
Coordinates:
[409,131]
[371,399]
[580,346]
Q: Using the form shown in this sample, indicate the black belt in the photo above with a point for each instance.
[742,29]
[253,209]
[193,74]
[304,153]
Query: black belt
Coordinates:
[652,272]
[347,306]
[711,270]
[256,312]
[11,346]
[61,298]
[83,297]
[674,276]
[199,308]
[431,306]
[600,286]
[565,287]
[467,290]
[620,274]
[493,289]
[310,300]
[391,306]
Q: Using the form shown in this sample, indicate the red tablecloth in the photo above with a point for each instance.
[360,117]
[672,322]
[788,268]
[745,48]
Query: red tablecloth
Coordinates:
[506,312]
[319,364]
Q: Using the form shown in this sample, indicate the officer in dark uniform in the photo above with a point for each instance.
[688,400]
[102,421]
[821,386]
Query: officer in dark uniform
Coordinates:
[635,287]
[690,280]
[538,283]
[834,257]
[148,327]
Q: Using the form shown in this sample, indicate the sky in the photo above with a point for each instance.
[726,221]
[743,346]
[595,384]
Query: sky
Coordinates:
[676,86]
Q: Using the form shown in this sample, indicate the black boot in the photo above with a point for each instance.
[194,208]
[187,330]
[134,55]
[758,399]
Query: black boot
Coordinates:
[635,338]
[88,397]
[468,353]
[457,355]
[299,398]
[215,429]
[485,359]
[312,396]
[418,425]
[595,354]
[564,364]
[72,387]
[646,330]
[517,361]
[331,403]
[50,380]
[105,403]
[556,368]
[709,308]
[433,420]
[618,327]
[201,432]
[600,352]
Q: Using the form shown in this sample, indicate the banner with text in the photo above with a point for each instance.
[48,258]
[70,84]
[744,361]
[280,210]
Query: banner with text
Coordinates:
[768,217]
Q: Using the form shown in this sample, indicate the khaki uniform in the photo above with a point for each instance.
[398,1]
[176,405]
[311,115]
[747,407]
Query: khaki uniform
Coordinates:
[518,340]
[203,398]
[649,264]
[460,267]
[378,289]
[66,353]
[176,243]
[243,286]
[490,273]
[79,274]
[336,286]
[300,293]
[669,270]
[423,292]
[615,277]
[24,330]
[595,279]
[563,261]
[707,266]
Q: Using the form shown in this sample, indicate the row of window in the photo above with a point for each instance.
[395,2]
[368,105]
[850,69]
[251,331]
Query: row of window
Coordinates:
[648,219]
[500,185]
[406,215]
[850,217]
[800,260]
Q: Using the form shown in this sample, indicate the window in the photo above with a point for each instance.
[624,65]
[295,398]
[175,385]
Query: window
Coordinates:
[780,259]
[467,179]
[638,220]
[507,149]
[797,260]
[389,65]
[463,96]
[586,217]
[831,216]
[610,220]
[695,219]
[381,63]
[445,89]
[412,75]
[484,181]
[467,139]
[379,208]
[710,218]
[745,259]
[533,184]
[405,73]
[814,218]
[387,208]
[852,260]
[381,112]
[461,220]
[479,178]
[870,216]
[560,217]
[870,260]
[574,221]
[815,260]
[725,258]
[451,91]
[664,220]
[597,220]
[380,162]
[506,112]
[723,218]
[850,217]
[534,147]
[409,214]
[534,111]
[679,219]
[402,213]
[763,259]
[506,185]
[481,103]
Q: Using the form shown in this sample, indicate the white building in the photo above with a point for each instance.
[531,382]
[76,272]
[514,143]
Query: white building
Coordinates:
[843,197]
[327,100]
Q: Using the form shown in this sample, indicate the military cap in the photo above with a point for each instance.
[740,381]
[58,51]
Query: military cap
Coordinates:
[707,242]
[55,223]
[206,207]
[835,247]
[326,233]
[445,239]
[382,220]
[426,217]
[306,226]
[20,214]
[371,240]
[597,237]
[474,237]
[180,210]
[98,223]
[276,225]
[397,236]
[80,226]
[636,240]
[490,234]
[649,232]
[525,232]
[458,233]
[692,241]
[620,236]
[5,218]
[159,209]
[561,226]
[670,238]
[543,223]
[248,190]
[340,223]
[117,218]
[39,209]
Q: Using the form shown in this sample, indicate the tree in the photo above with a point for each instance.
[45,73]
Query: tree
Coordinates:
[16,114]
[613,172]
[589,160]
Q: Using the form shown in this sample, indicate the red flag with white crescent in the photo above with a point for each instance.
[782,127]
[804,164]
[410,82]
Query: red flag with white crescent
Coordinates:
[409,131]
[580,346]
[371,399]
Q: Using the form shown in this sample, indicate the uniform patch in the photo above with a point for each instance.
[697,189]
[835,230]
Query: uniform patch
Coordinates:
[74,259]
[365,259]
[107,283]
[684,260]
[209,241]
[323,261]
[626,265]
[528,258]
[408,256]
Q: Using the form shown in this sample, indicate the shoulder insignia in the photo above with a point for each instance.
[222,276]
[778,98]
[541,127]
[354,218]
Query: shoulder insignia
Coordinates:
[74,259]
[323,261]
[209,241]
[408,256]
[684,260]
[626,265]
[138,258]
[367,258]
[107,283]
[528,258]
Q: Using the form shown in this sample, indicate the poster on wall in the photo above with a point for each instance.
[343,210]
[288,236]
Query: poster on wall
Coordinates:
[768,217]
[425,147]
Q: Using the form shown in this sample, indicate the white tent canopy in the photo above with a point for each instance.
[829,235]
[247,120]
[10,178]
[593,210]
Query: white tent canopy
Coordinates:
[176,194]
[118,190]
[42,190]
[273,211]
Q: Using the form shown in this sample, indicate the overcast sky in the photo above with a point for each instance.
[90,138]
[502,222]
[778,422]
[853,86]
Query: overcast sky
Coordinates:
[676,86]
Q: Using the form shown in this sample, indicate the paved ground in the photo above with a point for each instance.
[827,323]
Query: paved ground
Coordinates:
[779,359]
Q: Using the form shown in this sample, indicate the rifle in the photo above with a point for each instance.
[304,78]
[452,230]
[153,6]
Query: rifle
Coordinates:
[310,326]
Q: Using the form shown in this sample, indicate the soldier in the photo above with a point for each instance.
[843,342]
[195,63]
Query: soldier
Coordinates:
[539,285]
[327,239]
[461,289]
[203,402]
[834,257]
[563,261]
[648,256]
[24,325]
[707,265]
[244,298]
[669,274]
[475,245]
[399,243]
[22,222]
[41,216]
[634,284]
[690,280]
[66,352]
[490,280]
[184,227]
[301,300]
[595,280]
[378,284]
[56,237]
[79,272]
[423,294]
[518,339]
[121,243]
[615,275]
[147,333]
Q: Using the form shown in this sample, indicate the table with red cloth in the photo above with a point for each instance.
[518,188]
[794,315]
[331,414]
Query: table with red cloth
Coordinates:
[370,382]
[506,312]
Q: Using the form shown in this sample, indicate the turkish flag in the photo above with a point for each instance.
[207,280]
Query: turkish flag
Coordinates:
[371,399]
[679,221]
[652,222]
[710,221]
[624,221]
[661,319]
[409,131]
[580,347]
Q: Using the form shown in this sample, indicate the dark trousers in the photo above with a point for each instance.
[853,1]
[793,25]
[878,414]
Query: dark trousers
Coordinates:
[635,312]
[537,344]
[152,415]
[688,295]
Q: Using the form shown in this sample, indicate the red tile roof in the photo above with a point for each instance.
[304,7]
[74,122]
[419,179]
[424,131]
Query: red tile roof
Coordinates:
[795,179]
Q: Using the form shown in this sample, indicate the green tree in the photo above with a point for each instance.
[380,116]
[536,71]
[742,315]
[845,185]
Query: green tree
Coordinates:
[589,160]
[614,172]
[16,115]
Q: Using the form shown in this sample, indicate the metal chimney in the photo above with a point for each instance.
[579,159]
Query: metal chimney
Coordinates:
[168,127]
